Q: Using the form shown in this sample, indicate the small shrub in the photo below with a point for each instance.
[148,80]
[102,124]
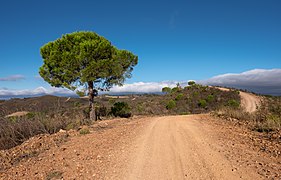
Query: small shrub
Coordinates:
[210,98]
[121,109]
[233,103]
[166,90]
[191,83]
[84,131]
[272,123]
[176,89]
[179,97]
[171,104]
[80,93]
[13,119]
[239,114]
[237,91]
[140,108]
[74,124]
[202,103]
[54,175]
[195,94]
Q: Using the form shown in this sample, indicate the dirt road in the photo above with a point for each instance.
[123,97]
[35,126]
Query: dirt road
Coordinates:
[249,101]
[171,147]
[176,147]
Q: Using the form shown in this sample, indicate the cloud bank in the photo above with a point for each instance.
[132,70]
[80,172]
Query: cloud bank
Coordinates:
[258,80]
[145,87]
[16,77]
[40,91]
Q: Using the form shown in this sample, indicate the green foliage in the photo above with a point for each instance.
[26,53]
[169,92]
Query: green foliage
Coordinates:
[121,109]
[191,83]
[171,104]
[176,89]
[195,94]
[166,90]
[72,125]
[202,103]
[210,98]
[13,119]
[140,108]
[237,91]
[78,58]
[233,103]
[80,93]
[179,97]
[54,175]
[84,131]
[30,115]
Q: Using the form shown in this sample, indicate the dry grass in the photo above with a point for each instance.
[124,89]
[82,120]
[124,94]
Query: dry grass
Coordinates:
[267,117]
[16,129]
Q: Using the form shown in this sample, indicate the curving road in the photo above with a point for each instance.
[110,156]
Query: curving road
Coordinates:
[249,101]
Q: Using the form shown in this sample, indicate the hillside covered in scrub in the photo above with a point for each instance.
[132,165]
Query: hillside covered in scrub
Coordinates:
[21,119]
[29,130]
[49,114]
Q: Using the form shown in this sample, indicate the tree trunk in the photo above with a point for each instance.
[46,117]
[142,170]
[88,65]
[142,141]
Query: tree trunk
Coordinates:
[92,111]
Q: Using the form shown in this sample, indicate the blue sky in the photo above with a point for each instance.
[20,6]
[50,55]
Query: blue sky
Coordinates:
[175,40]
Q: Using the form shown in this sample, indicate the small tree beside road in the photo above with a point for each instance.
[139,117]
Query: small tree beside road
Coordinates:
[85,60]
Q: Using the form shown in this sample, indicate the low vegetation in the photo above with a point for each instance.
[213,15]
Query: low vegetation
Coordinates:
[267,118]
[49,114]
[171,104]
[121,109]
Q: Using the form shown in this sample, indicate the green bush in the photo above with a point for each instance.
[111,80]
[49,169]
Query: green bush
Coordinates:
[140,108]
[121,109]
[210,98]
[171,104]
[191,83]
[80,93]
[176,89]
[195,94]
[166,90]
[84,131]
[202,103]
[179,97]
[54,175]
[233,103]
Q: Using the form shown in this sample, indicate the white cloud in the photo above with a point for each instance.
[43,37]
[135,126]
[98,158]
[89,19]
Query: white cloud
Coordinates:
[16,77]
[145,87]
[8,93]
[139,87]
[267,81]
